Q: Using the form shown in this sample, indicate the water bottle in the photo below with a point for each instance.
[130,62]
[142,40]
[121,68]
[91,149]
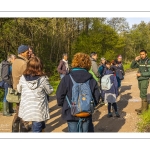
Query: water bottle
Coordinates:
[92,106]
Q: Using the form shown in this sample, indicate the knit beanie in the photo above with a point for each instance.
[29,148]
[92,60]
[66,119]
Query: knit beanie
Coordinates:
[22,49]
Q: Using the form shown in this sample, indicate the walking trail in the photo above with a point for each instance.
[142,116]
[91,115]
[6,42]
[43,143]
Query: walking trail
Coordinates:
[127,102]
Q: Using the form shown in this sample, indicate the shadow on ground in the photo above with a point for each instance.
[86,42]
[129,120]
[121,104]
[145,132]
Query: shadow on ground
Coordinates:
[104,124]
[114,124]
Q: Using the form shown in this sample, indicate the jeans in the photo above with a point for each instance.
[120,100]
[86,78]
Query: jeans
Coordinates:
[38,126]
[91,126]
[62,75]
[119,82]
[74,126]
[6,91]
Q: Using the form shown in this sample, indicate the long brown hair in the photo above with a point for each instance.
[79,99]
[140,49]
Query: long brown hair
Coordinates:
[34,67]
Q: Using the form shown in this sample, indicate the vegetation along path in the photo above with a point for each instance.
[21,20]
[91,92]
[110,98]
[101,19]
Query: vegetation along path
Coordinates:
[127,102]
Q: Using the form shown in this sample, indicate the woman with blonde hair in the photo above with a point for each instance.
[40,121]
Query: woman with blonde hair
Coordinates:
[79,74]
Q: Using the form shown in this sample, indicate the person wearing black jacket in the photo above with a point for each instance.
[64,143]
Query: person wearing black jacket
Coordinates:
[7,78]
[81,64]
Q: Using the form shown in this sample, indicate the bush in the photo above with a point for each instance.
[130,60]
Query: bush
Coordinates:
[1,98]
[144,123]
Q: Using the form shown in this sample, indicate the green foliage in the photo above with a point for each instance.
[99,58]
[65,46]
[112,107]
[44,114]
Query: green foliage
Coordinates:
[126,66]
[54,84]
[144,123]
[1,98]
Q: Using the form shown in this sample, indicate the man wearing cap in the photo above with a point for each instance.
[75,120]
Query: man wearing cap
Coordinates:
[18,67]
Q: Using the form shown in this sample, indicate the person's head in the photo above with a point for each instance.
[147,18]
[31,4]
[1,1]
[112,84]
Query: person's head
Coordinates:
[119,58]
[65,56]
[23,50]
[34,67]
[31,52]
[11,58]
[143,54]
[115,62]
[81,60]
[94,55]
[112,62]
[103,60]
[108,64]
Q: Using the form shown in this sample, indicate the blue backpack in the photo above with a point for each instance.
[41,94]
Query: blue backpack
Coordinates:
[82,103]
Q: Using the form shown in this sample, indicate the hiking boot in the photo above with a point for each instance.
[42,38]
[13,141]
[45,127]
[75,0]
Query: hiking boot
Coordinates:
[5,108]
[11,108]
[15,127]
[102,102]
[117,115]
[109,115]
[139,110]
[144,106]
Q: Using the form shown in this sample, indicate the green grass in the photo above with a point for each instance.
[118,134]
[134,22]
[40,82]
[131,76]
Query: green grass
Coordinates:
[144,124]
[54,84]
[126,66]
[1,98]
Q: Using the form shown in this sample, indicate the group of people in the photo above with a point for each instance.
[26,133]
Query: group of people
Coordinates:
[83,86]
[85,68]
[24,73]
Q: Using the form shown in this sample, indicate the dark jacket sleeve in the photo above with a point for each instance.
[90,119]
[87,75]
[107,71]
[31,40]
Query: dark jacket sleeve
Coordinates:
[5,74]
[95,91]
[134,64]
[59,68]
[61,92]
[116,86]
[123,72]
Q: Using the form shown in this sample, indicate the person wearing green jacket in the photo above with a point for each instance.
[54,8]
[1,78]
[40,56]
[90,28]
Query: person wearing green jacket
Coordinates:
[143,63]
[94,67]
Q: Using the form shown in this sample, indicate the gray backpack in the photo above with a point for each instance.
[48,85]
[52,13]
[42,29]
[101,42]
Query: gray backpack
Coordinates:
[106,82]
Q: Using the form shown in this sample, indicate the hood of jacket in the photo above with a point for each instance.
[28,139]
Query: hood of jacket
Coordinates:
[109,71]
[33,82]
[80,75]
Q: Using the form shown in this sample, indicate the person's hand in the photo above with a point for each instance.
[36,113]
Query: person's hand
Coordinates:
[138,74]
[137,58]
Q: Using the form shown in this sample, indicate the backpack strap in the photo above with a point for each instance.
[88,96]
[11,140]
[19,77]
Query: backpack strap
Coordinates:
[66,95]
[72,79]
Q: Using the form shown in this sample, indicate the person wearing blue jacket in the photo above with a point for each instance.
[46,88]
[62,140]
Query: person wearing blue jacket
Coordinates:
[111,94]
[101,71]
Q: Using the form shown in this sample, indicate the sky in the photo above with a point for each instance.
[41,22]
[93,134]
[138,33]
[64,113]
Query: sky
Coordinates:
[136,20]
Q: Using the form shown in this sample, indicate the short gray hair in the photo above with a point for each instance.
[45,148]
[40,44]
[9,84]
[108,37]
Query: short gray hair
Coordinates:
[64,54]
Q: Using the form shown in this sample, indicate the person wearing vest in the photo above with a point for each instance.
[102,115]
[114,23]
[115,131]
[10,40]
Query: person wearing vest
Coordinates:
[94,67]
[7,79]
[143,63]
[18,67]
[63,67]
